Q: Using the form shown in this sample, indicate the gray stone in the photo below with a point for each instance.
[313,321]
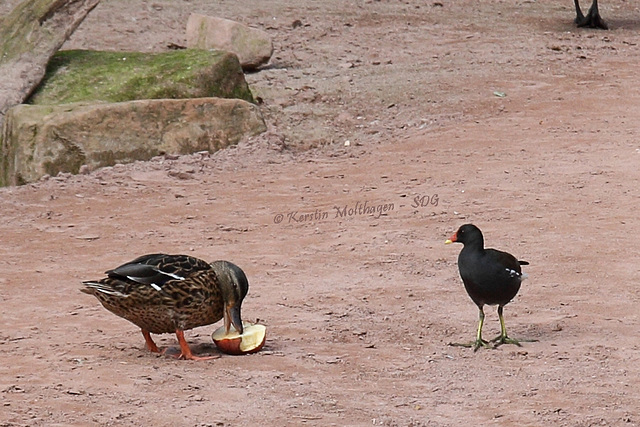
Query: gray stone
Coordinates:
[252,46]
[44,140]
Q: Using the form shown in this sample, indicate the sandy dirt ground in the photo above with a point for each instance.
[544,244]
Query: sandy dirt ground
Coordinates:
[499,113]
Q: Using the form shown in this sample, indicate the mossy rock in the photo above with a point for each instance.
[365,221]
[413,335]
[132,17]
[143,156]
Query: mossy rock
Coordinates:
[48,139]
[85,76]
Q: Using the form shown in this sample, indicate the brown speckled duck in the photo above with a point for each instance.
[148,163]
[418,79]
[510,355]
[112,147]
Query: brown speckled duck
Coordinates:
[172,293]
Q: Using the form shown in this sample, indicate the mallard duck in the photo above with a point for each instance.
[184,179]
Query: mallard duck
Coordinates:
[490,277]
[172,293]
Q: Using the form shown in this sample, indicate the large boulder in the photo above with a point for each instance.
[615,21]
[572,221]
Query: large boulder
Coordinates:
[84,75]
[253,47]
[147,104]
[29,36]
[48,139]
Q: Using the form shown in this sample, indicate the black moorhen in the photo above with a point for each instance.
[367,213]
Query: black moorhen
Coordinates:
[490,277]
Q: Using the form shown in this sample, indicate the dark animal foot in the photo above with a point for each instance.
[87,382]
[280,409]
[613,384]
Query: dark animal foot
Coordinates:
[592,20]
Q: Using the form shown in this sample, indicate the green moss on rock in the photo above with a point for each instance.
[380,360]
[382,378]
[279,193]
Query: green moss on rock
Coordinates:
[82,75]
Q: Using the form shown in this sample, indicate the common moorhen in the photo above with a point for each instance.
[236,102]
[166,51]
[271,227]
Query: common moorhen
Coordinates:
[490,277]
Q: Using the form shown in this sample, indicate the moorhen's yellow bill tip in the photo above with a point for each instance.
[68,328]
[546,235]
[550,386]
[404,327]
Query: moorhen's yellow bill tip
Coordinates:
[452,239]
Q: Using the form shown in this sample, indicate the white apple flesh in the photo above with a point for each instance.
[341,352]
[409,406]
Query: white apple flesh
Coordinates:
[251,341]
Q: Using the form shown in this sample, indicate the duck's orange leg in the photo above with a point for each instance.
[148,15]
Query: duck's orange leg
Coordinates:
[150,344]
[185,351]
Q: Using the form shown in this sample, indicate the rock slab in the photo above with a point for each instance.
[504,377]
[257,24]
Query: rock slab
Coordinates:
[48,139]
[252,46]
[85,75]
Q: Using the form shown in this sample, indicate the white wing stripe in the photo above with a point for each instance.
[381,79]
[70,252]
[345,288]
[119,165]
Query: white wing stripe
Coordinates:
[175,276]
[109,291]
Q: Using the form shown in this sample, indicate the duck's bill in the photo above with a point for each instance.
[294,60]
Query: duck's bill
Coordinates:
[232,317]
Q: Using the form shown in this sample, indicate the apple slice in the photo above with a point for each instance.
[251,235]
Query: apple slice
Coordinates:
[251,340]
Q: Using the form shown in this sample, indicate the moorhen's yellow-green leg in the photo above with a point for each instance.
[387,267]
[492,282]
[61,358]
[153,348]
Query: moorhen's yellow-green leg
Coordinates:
[479,342]
[503,338]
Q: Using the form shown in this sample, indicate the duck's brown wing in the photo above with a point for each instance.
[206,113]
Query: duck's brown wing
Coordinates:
[158,269]
[161,293]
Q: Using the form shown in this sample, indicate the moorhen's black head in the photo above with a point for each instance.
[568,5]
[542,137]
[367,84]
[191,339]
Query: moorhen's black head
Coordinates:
[466,234]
